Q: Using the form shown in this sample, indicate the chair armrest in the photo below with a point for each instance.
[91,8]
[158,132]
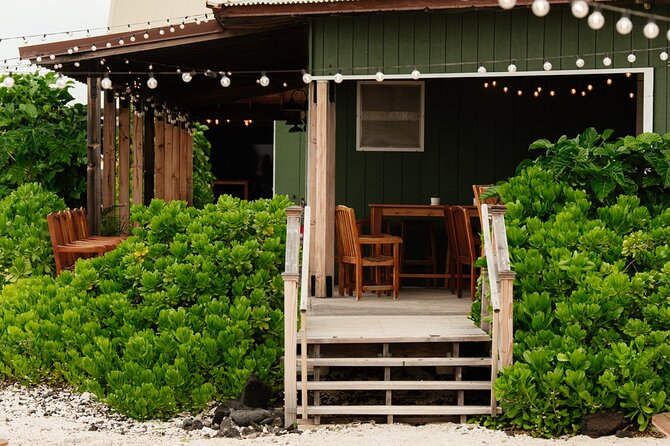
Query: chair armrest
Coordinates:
[381,239]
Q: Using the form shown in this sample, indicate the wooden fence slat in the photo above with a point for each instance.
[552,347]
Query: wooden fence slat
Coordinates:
[124,164]
[149,155]
[159,163]
[176,160]
[168,161]
[138,156]
[189,168]
[109,151]
[183,162]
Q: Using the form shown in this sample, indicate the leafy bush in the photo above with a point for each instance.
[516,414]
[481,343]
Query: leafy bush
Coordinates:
[182,312]
[42,139]
[25,247]
[634,165]
[591,316]
[202,169]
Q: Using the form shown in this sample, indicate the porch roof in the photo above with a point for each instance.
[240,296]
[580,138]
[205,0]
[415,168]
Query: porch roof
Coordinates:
[278,46]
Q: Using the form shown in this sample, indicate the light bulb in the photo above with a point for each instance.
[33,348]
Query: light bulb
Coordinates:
[8,82]
[306,77]
[52,57]
[77,64]
[108,44]
[579,62]
[38,58]
[580,9]
[186,77]
[547,66]
[172,29]
[70,51]
[415,74]
[624,25]
[607,61]
[511,68]
[161,31]
[93,47]
[121,41]
[106,83]
[182,26]
[146,35]
[596,20]
[264,80]
[668,34]
[651,30]
[132,38]
[379,76]
[225,81]
[631,57]
[540,7]
[61,81]
[481,69]
[664,55]
[75,48]
[338,78]
[507,4]
[152,82]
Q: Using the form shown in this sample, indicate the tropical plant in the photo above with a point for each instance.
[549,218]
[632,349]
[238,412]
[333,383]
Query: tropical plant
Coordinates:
[42,138]
[203,177]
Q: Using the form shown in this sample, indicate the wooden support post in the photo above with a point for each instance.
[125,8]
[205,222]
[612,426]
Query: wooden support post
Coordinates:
[168,161]
[324,200]
[93,168]
[506,337]
[311,176]
[109,151]
[149,156]
[189,168]
[183,162]
[291,280]
[159,164]
[176,150]
[124,164]
[138,157]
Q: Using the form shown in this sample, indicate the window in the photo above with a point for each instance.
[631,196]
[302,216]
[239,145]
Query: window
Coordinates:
[390,116]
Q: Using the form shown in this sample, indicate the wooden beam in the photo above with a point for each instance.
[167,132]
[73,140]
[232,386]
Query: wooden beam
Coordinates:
[93,171]
[109,151]
[124,164]
[138,156]
[149,155]
[324,200]
[176,160]
[183,162]
[168,161]
[159,164]
[311,174]
[189,168]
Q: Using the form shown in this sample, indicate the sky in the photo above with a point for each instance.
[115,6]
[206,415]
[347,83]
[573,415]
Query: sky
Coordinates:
[25,17]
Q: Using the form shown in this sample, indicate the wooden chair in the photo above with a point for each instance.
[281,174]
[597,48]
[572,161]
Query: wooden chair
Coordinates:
[478,190]
[351,252]
[466,253]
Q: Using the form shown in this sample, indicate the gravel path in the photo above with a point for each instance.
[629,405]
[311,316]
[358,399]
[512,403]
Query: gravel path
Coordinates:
[47,416]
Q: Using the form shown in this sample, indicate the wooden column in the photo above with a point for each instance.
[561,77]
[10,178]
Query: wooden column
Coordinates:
[159,164]
[93,168]
[109,151]
[311,176]
[168,161]
[124,164]
[183,162]
[149,156]
[189,168]
[138,156]
[176,160]
[324,189]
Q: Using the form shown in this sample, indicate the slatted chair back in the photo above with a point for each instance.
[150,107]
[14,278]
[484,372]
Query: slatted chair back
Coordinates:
[56,236]
[478,190]
[347,233]
[80,223]
[465,245]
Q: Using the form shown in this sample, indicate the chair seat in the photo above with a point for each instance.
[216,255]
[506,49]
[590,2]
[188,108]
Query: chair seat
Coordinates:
[380,260]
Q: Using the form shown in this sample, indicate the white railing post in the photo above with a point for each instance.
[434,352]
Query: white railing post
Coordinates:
[291,279]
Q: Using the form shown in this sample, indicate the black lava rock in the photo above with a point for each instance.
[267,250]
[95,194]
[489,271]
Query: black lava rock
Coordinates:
[249,417]
[256,393]
[220,413]
[228,429]
[603,423]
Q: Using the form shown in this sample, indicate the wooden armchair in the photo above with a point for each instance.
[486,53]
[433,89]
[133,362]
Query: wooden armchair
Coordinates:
[351,255]
[478,190]
[465,252]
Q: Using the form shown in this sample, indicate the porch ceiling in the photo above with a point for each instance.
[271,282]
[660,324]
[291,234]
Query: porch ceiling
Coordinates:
[278,47]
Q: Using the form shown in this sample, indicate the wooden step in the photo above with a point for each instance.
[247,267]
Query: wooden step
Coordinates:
[400,410]
[396,385]
[397,362]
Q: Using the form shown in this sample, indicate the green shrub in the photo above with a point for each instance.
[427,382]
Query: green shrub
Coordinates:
[42,139]
[591,313]
[179,314]
[202,169]
[25,246]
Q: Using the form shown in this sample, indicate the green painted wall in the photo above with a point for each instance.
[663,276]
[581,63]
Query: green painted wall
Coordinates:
[290,159]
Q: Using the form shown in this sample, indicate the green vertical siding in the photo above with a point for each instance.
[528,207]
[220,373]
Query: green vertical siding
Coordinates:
[290,159]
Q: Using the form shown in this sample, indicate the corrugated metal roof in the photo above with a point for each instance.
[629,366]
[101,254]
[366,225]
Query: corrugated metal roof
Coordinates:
[228,3]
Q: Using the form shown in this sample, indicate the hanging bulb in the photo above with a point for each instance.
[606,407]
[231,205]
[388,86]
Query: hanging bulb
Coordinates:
[664,55]
[132,38]
[264,80]
[106,82]
[379,76]
[77,64]
[146,35]
[182,26]
[108,44]
[540,7]
[161,31]
[52,57]
[507,4]
[338,78]
[70,51]
[121,41]
[306,77]
[225,81]
[38,59]
[547,66]
[596,20]
[580,9]
[8,82]
[624,25]
[651,30]
[579,62]
[75,48]
[511,67]
[93,47]
[152,82]
[186,76]
[481,69]
[607,61]
[415,74]
[172,29]
[61,81]
[631,57]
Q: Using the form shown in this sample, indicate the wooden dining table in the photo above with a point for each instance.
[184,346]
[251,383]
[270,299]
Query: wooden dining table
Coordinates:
[378,211]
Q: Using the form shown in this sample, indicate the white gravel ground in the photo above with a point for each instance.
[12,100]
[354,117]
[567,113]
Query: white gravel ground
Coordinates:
[46,416]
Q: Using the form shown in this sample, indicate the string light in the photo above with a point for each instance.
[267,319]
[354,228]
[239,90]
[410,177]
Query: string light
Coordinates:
[186,77]
[547,65]
[607,61]
[8,82]
[225,81]
[651,30]
[306,77]
[631,57]
[511,67]
[540,7]
[106,82]
[596,20]
[580,9]
[264,80]
[415,74]
[664,55]
[379,76]
[579,62]
[624,25]
[338,78]
[481,69]
[152,82]
[507,4]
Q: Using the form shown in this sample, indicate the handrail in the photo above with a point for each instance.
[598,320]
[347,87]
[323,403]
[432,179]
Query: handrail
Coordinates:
[304,299]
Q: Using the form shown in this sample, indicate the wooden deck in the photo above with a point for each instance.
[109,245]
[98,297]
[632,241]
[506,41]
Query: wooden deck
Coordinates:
[419,315]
